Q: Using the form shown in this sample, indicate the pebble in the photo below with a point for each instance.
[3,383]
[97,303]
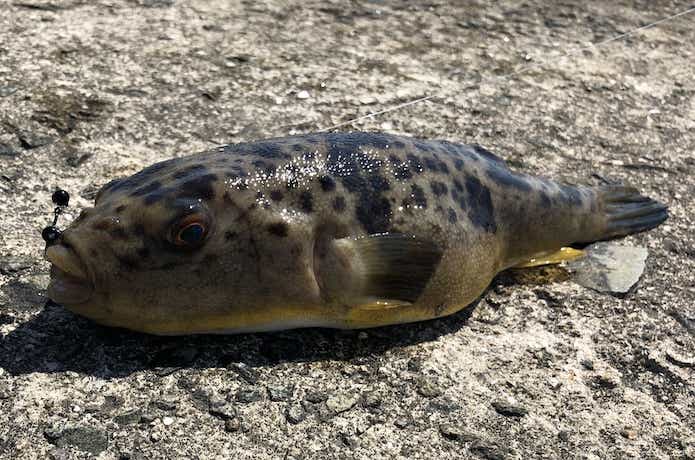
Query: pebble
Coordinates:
[454,433]
[428,388]
[371,400]
[127,418]
[315,397]
[609,267]
[87,439]
[401,422]
[508,409]
[224,411]
[280,393]
[167,421]
[7,150]
[629,433]
[31,141]
[303,94]
[295,414]
[249,395]
[587,364]
[232,425]
[679,360]
[341,402]
[7,91]
[605,381]
[167,403]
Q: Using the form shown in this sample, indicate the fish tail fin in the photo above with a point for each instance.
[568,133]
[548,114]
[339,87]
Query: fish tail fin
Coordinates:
[626,211]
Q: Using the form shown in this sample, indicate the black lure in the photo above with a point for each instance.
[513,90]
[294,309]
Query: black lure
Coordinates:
[51,234]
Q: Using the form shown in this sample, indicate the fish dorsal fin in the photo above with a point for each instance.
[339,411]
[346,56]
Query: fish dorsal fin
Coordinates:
[376,272]
[551,257]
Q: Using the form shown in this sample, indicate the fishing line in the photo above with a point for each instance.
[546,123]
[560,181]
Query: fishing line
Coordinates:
[523,69]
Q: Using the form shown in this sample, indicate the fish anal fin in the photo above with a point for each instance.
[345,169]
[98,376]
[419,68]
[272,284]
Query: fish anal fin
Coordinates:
[382,304]
[551,257]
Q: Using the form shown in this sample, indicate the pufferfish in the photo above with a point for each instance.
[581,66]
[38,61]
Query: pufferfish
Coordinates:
[339,230]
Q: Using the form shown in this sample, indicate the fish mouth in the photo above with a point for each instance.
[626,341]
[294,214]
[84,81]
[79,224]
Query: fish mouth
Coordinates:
[70,283]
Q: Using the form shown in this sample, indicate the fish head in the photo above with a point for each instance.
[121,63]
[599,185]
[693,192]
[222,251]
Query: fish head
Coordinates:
[159,252]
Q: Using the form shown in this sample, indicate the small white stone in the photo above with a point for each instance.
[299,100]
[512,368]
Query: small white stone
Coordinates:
[303,94]
[167,421]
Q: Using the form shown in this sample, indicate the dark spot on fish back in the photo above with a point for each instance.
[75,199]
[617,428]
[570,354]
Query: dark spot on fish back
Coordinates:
[119,209]
[339,204]
[276,195]
[149,188]
[438,188]
[571,194]
[458,164]
[374,213]
[453,218]
[279,229]
[418,196]
[306,201]
[194,169]
[480,211]
[327,183]
[415,164]
[198,187]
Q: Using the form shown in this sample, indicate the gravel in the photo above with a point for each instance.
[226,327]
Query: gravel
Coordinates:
[91,91]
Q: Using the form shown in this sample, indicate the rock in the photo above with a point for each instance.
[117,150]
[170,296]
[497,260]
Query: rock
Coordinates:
[280,393]
[629,433]
[224,411]
[148,417]
[402,422]
[341,402]
[249,395]
[232,425]
[371,400]
[31,141]
[167,403]
[303,94]
[127,418]
[454,433]
[428,388]
[6,150]
[315,397]
[609,267]
[249,375]
[87,439]
[508,409]
[59,454]
[7,90]
[167,421]
[679,360]
[295,414]
[605,381]
[487,452]
[587,364]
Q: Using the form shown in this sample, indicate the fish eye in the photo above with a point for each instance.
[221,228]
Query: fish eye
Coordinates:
[190,232]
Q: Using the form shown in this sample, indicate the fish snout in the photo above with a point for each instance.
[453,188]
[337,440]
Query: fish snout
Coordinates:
[63,257]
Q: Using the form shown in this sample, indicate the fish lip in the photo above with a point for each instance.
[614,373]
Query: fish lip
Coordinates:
[69,274]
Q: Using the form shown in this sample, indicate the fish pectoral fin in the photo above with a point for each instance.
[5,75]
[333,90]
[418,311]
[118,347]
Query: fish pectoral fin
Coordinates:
[393,268]
[551,257]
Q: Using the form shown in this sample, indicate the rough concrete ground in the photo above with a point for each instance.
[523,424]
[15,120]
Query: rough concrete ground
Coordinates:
[540,368]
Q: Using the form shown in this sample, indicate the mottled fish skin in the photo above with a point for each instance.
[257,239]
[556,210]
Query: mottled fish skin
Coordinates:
[276,206]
